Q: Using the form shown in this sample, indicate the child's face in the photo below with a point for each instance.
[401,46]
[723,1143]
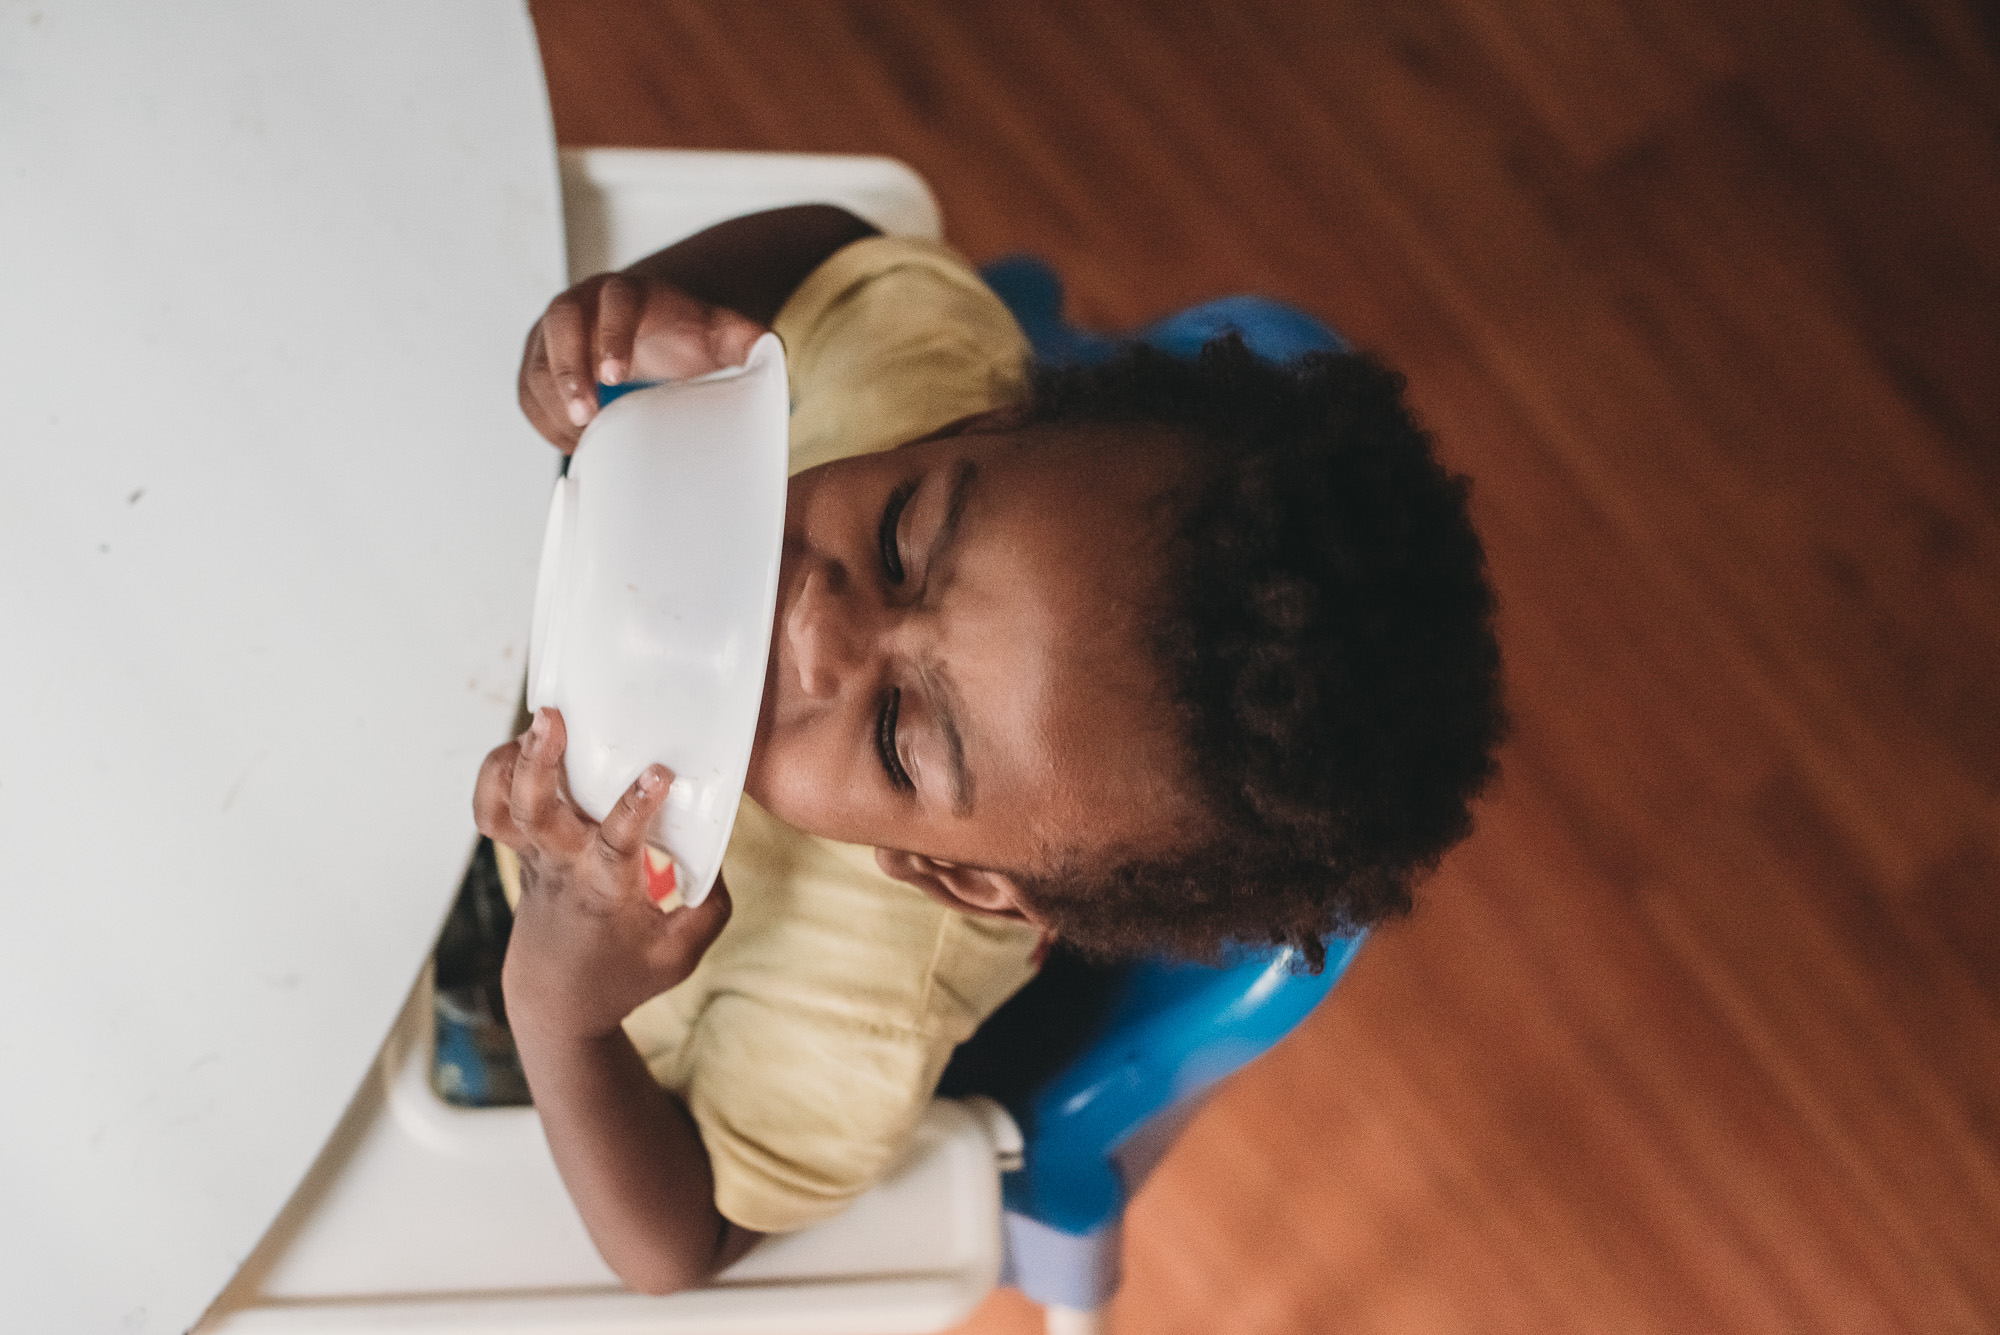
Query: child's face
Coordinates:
[958,672]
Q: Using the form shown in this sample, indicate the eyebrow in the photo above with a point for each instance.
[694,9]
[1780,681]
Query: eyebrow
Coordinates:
[946,703]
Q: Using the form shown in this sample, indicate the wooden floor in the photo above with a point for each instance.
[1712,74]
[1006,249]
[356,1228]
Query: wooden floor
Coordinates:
[1701,1031]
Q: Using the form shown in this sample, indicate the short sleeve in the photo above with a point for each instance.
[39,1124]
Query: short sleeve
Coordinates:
[803,1111]
[891,339]
[809,1041]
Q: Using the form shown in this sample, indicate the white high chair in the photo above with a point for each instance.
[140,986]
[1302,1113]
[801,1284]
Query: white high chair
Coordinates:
[423,1217]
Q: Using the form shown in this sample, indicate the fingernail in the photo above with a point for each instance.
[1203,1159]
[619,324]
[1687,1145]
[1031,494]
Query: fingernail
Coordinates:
[610,372]
[579,412]
[651,779]
[537,732]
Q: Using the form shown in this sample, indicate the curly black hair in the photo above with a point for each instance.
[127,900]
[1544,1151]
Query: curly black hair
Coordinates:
[1326,636]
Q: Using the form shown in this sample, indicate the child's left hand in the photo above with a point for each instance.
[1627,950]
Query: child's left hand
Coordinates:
[616,327]
[588,945]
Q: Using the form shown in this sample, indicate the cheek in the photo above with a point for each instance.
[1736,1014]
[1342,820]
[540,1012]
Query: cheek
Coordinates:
[804,777]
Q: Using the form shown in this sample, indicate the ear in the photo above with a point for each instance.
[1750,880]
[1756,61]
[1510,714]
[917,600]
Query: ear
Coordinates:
[975,890]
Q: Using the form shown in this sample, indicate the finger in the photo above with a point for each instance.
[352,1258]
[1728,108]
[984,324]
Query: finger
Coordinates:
[490,794]
[622,833]
[540,400]
[690,932]
[534,799]
[673,337]
[541,404]
[617,323]
[554,412]
[731,336]
[566,334]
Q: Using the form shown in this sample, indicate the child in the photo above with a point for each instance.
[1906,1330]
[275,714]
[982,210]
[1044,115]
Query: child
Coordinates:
[1147,656]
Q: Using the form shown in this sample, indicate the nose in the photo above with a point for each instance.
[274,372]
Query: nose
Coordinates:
[828,632]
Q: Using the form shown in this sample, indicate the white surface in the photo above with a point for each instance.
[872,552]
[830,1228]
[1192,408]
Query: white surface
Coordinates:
[1009,1146]
[653,605]
[622,204]
[426,1217]
[269,533]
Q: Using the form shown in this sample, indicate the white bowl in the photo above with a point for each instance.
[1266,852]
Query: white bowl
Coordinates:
[653,608]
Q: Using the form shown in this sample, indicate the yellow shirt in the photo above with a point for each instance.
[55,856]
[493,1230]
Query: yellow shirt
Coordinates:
[813,1033]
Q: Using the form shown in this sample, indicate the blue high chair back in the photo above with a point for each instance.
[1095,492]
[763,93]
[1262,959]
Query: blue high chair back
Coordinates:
[1168,1031]
[1092,1133]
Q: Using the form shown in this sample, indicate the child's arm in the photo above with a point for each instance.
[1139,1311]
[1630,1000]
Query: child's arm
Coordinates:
[694,307]
[589,946]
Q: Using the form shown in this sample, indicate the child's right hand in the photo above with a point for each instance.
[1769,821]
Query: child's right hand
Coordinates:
[617,327]
[588,944]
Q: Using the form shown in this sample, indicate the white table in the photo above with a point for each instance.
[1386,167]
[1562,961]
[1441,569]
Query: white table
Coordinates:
[268,534]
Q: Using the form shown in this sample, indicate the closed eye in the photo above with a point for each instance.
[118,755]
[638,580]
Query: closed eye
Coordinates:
[892,518]
[885,743]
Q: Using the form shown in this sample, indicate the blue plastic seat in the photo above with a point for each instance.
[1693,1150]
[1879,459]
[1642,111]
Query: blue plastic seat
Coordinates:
[1271,329]
[1093,1132]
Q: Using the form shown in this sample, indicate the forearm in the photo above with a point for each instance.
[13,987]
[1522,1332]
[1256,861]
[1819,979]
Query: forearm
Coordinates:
[753,264]
[633,1162]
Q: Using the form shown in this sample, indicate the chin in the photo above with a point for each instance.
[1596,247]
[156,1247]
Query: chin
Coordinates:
[795,809]
[753,783]
[763,781]
[759,780]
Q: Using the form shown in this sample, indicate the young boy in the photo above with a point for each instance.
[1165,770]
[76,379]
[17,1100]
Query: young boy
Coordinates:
[1148,657]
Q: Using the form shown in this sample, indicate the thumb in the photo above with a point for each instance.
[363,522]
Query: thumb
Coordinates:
[687,933]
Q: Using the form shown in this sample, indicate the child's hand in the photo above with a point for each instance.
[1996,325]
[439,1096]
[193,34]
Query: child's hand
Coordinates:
[588,945]
[617,327]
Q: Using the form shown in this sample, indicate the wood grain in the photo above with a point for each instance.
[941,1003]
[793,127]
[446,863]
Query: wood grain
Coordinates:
[1701,1030]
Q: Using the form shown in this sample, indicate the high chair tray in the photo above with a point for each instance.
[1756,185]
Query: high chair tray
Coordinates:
[421,1217]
